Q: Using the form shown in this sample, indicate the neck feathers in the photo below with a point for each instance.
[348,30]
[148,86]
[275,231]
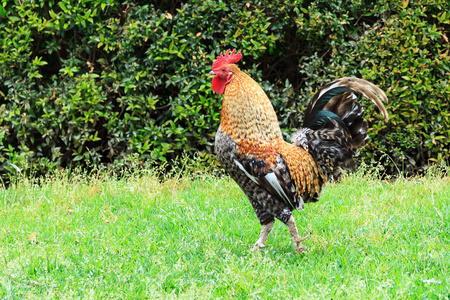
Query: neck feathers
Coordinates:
[246,110]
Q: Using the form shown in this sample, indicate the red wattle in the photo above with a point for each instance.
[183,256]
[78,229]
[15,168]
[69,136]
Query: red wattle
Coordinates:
[218,85]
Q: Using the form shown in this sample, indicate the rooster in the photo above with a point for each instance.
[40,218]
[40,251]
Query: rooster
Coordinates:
[276,176]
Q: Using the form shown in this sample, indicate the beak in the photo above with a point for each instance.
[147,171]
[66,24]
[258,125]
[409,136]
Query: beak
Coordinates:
[212,73]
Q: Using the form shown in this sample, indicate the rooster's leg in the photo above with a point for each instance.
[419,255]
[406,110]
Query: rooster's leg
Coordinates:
[300,248]
[264,234]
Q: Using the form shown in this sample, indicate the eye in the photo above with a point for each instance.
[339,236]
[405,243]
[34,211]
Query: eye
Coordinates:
[223,70]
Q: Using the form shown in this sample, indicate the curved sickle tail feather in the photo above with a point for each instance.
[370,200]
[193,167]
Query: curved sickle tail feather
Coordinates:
[334,127]
[332,97]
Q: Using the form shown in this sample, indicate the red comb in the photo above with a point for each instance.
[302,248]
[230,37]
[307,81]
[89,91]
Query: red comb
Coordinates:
[228,58]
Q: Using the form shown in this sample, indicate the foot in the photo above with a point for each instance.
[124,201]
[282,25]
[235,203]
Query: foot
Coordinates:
[263,235]
[258,245]
[301,248]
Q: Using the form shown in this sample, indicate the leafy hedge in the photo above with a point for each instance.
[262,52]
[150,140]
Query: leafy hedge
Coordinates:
[99,84]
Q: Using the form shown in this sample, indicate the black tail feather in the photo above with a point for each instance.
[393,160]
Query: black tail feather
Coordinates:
[337,128]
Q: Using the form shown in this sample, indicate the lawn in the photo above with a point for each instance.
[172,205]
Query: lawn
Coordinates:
[191,237]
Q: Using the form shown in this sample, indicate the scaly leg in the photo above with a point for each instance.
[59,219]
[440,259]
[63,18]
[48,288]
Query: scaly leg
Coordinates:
[263,235]
[297,239]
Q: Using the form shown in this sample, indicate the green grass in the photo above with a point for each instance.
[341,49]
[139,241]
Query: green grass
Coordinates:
[136,237]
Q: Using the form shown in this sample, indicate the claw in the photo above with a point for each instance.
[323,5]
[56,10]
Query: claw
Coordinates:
[301,249]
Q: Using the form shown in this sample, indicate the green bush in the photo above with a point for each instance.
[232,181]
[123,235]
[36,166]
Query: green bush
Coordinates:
[99,84]
[410,59]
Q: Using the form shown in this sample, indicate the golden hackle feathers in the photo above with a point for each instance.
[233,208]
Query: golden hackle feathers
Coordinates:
[247,111]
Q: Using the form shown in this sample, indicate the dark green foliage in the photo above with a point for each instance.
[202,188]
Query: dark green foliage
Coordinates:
[410,60]
[94,83]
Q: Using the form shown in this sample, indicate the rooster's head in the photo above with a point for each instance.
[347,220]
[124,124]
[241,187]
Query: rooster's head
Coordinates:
[220,69]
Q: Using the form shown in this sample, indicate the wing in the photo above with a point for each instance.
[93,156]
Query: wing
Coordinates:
[287,172]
